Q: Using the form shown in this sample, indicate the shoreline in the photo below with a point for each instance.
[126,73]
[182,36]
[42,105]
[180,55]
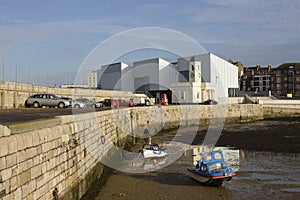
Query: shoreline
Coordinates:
[251,136]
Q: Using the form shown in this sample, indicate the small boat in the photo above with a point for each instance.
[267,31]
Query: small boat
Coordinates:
[154,151]
[212,169]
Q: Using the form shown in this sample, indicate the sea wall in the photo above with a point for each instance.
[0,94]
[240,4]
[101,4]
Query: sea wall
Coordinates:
[62,153]
[13,95]
[65,152]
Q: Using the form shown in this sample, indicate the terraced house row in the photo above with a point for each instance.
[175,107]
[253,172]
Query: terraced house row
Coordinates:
[282,81]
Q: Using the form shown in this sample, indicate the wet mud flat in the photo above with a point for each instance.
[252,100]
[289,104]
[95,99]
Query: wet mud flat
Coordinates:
[269,168]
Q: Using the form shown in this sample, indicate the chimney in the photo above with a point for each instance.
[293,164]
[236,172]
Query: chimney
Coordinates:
[269,67]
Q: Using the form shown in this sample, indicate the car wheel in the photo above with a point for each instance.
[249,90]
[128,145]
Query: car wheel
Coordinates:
[61,104]
[36,105]
[77,106]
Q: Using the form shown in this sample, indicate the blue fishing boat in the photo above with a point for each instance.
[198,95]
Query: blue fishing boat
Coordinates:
[212,169]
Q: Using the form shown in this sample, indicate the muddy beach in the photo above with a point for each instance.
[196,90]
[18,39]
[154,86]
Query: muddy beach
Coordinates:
[269,168]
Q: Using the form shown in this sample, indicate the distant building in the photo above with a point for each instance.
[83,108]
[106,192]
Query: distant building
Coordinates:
[287,81]
[240,67]
[92,80]
[257,80]
[108,77]
[74,86]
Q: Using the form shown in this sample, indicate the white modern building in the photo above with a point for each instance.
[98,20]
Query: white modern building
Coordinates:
[219,78]
[153,75]
[192,79]
[109,77]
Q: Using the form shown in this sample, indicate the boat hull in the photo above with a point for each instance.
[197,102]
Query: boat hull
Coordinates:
[216,181]
[154,154]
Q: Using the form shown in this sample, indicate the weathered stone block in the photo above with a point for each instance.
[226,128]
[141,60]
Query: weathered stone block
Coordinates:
[28,188]
[11,160]
[18,194]
[2,163]
[21,141]
[28,139]
[13,183]
[6,174]
[46,147]
[36,171]
[4,131]
[4,146]
[12,144]
[9,197]
[40,181]
[24,177]
[35,138]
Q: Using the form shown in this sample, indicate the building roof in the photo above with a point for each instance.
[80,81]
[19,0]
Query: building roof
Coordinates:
[287,65]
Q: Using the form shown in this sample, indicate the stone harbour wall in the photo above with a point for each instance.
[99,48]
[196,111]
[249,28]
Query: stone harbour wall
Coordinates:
[65,152]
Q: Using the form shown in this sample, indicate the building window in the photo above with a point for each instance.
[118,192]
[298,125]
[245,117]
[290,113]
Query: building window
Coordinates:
[198,95]
[278,80]
[231,92]
[297,79]
[297,71]
[278,72]
[193,68]
[278,86]
[182,95]
[278,92]
[297,86]
[285,78]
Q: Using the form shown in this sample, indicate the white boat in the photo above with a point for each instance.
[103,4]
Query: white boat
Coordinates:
[153,151]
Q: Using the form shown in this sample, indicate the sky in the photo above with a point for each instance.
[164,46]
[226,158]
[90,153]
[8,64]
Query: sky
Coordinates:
[46,42]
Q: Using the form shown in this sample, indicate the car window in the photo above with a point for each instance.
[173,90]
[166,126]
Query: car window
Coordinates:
[44,96]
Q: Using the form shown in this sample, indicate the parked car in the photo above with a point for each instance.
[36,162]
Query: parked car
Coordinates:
[139,102]
[106,102]
[77,104]
[51,100]
[209,102]
[115,103]
[89,103]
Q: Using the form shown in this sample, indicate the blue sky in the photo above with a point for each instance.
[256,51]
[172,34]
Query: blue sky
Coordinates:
[52,38]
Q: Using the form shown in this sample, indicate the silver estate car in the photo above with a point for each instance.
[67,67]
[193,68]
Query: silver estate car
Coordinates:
[51,100]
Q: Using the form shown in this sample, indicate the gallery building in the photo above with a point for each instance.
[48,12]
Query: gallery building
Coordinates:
[191,79]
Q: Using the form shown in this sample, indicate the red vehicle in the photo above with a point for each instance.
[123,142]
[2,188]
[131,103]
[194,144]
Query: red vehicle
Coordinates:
[164,99]
[115,103]
[106,102]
